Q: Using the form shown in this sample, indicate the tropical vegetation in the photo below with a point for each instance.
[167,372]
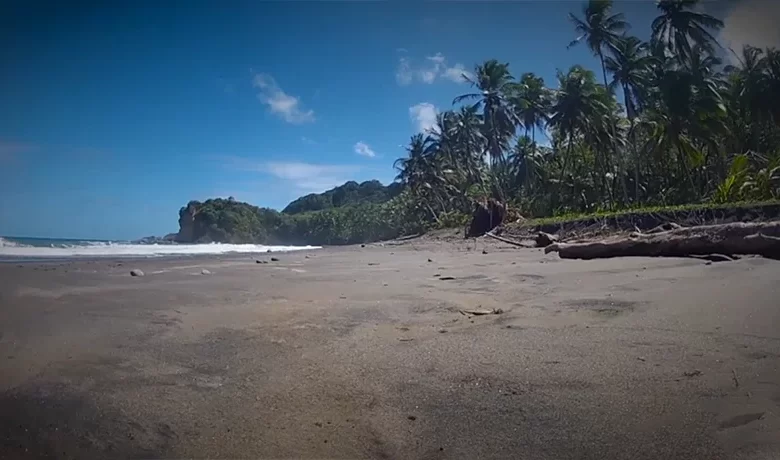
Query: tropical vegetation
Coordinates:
[674,120]
[663,122]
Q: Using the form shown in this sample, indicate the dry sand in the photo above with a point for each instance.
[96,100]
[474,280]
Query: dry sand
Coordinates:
[364,353]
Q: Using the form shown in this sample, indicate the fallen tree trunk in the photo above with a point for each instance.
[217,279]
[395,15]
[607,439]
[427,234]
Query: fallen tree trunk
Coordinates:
[737,238]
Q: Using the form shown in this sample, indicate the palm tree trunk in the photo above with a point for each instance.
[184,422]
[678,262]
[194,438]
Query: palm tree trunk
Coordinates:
[433,213]
[632,140]
[563,170]
[684,164]
[527,168]
[614,134]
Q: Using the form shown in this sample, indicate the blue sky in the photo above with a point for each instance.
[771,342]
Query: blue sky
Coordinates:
[112,118]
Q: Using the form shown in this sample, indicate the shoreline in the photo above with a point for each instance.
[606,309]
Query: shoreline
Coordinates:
[76,259]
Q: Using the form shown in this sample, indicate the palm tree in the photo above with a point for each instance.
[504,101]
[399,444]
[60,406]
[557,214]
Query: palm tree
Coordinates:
[688,111]
[441,140]
[470,143]
[772,70]
[419,172]
[677,28]
[493,81]
[527,162]
[630,64]
[531,101]
[599,29]
[577,109]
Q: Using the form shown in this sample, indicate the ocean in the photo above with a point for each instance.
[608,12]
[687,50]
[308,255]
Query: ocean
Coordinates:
[45,248]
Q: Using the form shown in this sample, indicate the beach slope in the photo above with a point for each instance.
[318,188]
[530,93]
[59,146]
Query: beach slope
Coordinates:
[418,350]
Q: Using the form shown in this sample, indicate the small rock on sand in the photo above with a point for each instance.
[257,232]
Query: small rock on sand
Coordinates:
[136,272]
[274,259]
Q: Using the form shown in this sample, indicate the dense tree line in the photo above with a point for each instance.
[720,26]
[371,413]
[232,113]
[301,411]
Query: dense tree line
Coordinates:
[351,193]
[230,221]
[662,122]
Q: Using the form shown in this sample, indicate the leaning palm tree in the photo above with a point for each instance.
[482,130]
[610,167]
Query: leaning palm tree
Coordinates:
[678,28]
[441,137]
[420,171]
[493,81]
[410,168]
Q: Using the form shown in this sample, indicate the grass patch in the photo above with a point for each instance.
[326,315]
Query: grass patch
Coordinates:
[650,210]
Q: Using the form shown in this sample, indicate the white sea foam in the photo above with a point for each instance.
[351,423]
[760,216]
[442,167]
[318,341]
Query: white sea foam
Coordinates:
[138,250]
[9,244]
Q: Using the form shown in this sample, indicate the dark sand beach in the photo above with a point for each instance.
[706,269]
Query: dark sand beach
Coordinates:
[366,353]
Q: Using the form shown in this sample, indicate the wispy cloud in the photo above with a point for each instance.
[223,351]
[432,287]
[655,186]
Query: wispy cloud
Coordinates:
[361,148]
[751,22]
[288,107]
[308,141]
[305,177]
[311,177]
[428,70]
[403,73]
[423,115]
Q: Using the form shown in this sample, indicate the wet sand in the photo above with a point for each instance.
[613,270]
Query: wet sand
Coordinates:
[365,353]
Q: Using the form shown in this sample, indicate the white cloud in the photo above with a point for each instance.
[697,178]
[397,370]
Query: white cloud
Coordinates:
[280,103]
[428,76]
[308,141]
[456,73]
[751,22]
[404,74]
[433,67]
[305,177]
[423,115]
[361,148]
[438,59]
[310,177]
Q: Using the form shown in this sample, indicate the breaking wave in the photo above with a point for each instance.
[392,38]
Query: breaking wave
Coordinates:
[111,249]
[10,244]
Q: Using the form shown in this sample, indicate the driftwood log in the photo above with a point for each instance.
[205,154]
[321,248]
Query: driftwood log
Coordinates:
[506,240]
[737,238]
